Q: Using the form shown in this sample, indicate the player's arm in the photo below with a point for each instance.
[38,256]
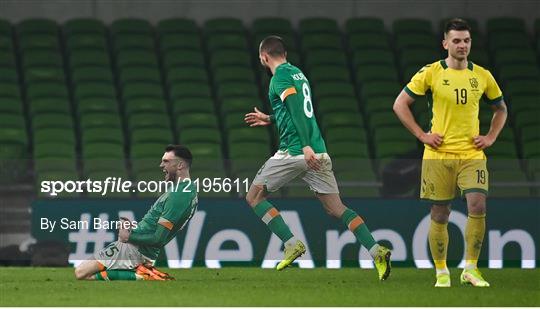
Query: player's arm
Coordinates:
[258,118]
[418,86]
[295,105]
[500,114]
[173,210]
[156,239]
[402,108]
[495,100]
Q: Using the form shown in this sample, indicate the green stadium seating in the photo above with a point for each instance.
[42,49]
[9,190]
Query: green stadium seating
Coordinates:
[46,90]
[225,41]
[234,89]
[154,135]
[92,119]
[39,41]
[199,135]
[364,25]
[187,74]
[501,24]
[145,105]
[79,58]
[412,25]
[315,41]
[376,72]
[44,74]
[373,57]
[369,41]
[130,25]
[322,57]
[223,25]
[81,41]
[230,57]
[96,104]
[329,73]
[343,104]
[92,74]
[177,25]
[196,120]
[416,40]
[193,105]
[190,90]
[136,57]
[136,90]
[149,120]
[140,74]
[52,120]
[233,74]
[133,42]
[183,41]
[84,25]
[318,25]
[272,25]
[94,90]
[182,58]
[37,26]
[62,136]
[102,135]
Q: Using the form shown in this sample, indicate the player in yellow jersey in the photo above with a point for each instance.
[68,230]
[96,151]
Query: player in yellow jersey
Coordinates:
[453,156]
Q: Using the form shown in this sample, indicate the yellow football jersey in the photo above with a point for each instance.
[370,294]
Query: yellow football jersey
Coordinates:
[455,101]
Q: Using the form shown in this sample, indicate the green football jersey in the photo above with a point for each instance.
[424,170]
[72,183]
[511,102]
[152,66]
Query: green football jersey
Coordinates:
[176,207]
[289,82]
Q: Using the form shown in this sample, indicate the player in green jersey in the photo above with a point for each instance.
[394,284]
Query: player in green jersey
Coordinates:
[132,257]
[302,153]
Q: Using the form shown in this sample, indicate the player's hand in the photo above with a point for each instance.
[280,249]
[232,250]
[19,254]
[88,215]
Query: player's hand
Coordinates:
[432,139]
[257,118]
[311,158]
[483,142]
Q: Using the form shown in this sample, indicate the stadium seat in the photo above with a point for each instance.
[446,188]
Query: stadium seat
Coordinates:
[92,74]
[84,25]
[131,25]
[502,24]
[149,120]
[102,135]
[190,90]
[411,25]
[98,119]
[226,41]
[364,25]
[318,25]
[182,58]
[272,25]
[223,25]
[37,26]
[329,73]
[199,135]
[382,57]
[180,41]
[176,26]
[196,120]
[192,105]
[84,41]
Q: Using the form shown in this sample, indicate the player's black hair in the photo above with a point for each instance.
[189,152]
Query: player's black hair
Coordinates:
[182,152]
[274,46]
[456,24]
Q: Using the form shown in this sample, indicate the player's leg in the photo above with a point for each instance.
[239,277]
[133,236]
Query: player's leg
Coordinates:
[438,242]
[438,186]
[88,269]
[334,206]
[117,261]
[256,198]
[276,172]
[473,181]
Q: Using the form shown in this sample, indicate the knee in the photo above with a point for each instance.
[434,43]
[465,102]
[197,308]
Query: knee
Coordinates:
[254,196]
[477,207]
[440,214]
[80,273]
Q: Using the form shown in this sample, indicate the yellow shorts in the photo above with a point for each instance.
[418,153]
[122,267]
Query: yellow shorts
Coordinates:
[443,173]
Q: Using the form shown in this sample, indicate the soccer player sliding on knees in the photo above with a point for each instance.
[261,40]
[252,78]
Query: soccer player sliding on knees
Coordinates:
[132,257]
[302,154]
[453,155]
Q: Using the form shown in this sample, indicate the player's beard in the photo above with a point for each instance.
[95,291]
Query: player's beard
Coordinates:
[170,176]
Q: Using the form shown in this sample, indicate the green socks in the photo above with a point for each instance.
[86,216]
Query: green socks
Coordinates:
[109,275]
[271,217]
[356,225]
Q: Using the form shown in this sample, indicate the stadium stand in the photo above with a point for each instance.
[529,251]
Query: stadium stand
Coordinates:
[84,98]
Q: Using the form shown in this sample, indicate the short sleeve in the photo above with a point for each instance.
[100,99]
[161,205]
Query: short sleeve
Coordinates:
[283,86]
[420,83]
[492,92]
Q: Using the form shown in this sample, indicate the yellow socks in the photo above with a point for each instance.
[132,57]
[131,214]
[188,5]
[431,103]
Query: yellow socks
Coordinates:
[438,244]
[474,236]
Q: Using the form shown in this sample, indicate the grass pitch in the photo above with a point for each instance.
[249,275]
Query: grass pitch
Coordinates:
[236,286]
